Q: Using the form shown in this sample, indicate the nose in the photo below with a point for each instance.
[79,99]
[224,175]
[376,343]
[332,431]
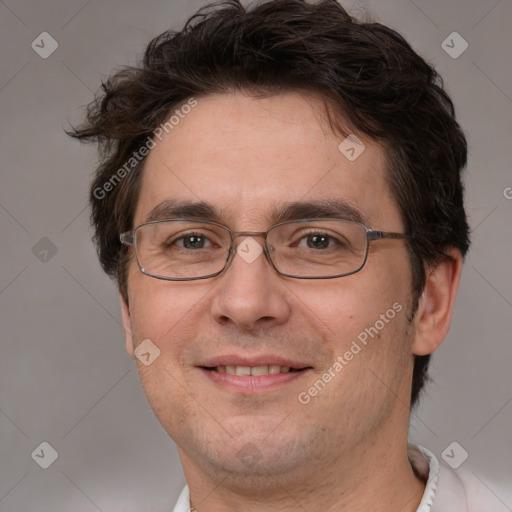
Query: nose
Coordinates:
[251,293]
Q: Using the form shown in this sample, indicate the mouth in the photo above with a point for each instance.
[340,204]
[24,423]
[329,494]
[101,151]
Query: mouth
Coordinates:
[261,376]
[269,369]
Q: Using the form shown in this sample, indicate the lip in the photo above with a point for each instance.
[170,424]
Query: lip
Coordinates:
[252,384]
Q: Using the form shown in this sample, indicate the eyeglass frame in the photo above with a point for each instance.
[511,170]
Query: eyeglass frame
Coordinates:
[129,238]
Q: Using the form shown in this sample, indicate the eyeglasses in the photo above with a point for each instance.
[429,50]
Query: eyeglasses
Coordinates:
[188,249]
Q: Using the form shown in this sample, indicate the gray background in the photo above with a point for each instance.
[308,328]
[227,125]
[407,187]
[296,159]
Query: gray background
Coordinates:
[65,377]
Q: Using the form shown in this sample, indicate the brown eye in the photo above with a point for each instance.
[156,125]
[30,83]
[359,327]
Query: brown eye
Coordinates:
[318,241]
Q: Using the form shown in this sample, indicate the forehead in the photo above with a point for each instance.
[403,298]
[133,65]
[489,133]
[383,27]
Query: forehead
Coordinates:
[247,157]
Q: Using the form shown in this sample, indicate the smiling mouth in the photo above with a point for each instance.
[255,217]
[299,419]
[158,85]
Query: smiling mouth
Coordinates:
[271,369]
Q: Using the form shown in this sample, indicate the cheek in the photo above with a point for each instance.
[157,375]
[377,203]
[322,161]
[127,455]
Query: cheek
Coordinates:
[355,305]
[161,311]
[369,342]
[366,317]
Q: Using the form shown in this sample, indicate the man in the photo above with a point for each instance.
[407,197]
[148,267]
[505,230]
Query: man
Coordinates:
[279,200]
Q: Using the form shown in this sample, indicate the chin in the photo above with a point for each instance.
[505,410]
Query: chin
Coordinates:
[255,452]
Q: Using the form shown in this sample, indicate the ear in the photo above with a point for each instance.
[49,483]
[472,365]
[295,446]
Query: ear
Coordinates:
[127,325]
[435,306]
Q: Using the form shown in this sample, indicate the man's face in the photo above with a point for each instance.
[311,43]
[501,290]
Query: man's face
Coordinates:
[247,157]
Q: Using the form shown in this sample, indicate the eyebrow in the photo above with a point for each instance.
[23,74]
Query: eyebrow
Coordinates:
[172,208]
[326,208]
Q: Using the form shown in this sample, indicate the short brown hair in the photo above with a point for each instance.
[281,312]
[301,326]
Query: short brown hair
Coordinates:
[365,70]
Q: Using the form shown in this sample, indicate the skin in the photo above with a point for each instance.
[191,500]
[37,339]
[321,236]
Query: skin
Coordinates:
[345,449]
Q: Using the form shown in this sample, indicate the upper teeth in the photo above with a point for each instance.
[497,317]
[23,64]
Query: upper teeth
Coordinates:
[270,369]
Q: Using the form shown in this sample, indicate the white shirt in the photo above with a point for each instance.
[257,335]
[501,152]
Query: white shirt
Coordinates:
[445,490]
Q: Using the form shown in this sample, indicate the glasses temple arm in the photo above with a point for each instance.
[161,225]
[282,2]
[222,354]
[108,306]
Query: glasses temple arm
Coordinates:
[378,235]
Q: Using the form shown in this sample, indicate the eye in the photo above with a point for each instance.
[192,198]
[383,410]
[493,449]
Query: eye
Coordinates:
[318,240]
[191,241]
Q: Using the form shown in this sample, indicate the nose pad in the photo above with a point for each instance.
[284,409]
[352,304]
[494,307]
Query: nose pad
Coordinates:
[250,253]
[266,249]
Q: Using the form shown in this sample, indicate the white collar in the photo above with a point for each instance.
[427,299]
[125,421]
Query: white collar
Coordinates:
[433,478]
[183,503]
